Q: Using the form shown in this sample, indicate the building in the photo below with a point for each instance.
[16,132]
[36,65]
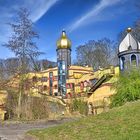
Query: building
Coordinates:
[101,91]
[63,62]
[3,96]
[129,52]
[65,79]
[46,82]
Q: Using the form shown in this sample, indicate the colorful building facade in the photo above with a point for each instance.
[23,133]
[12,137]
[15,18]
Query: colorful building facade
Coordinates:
[65,79]
[68,80]
[46,82]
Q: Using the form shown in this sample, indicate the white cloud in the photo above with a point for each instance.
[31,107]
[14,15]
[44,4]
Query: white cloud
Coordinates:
[8,11]
[93,14]
[40,7]
[9,8]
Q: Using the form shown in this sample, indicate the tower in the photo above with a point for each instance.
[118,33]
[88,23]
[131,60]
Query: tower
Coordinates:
[129,52]
[63,61]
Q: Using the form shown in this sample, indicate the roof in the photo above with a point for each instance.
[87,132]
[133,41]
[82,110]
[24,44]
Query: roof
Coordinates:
[63,42]
[129,43]
[80,68]
[72,67]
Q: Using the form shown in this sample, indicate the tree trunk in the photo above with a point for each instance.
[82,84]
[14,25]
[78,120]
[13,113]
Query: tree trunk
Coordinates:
[19,102]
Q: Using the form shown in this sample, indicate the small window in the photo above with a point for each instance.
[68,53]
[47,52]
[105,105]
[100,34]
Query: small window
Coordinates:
[82,85]
[55,86]
[133,60]
[44,79]
[51,74]
[68,85]
[45,88]
[34,79]
[71,85]
[122,64]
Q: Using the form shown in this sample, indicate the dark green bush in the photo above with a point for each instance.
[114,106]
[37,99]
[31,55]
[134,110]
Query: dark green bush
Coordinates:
[127,88]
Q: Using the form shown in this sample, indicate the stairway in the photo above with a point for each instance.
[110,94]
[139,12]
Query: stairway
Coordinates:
[98,83]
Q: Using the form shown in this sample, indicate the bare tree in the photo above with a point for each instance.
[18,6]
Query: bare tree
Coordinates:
[2,70]
[23,46]
[11,66]
[96,54]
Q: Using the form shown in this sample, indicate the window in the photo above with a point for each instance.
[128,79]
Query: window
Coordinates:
[133,60]
[82,85]
[122,63]
[44,79]
[55,86]
[68,85]
[34,79]
[51,82]
[71,85]
[51,74]
[45,88]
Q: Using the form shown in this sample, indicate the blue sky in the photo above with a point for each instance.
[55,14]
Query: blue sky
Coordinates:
[83,20]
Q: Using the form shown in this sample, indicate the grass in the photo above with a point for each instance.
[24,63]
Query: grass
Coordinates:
[121,123]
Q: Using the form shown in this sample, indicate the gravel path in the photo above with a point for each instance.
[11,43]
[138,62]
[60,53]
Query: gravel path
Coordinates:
[17,131]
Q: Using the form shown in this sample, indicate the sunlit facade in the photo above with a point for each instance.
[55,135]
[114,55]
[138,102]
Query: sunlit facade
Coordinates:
[65,79]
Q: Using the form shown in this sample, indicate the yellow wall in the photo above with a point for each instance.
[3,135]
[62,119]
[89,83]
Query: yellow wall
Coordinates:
[3,96]
[77,74]
[101,93]
[99,100]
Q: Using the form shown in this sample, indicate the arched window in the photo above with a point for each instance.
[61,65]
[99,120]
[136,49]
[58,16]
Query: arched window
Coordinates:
[122,63]
[45,88]
[55,86]
[82,85]
[133,60]
[34,79]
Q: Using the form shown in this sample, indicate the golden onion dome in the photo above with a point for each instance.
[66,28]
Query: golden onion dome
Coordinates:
[63,42]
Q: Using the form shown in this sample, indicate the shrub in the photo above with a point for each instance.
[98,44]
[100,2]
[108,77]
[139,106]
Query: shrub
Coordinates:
[31,107]
[127,88]
[35,108]
[79,105]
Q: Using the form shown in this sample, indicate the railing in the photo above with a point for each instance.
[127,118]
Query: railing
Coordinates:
[98,83]
[101,75]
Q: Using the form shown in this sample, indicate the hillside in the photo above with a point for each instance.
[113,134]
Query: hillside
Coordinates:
[122,123]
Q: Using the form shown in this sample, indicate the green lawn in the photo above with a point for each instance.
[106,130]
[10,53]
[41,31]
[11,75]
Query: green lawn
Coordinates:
[122,123]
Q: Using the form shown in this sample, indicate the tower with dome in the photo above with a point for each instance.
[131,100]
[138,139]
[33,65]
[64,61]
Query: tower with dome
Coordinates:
[129,52]
[63,61]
